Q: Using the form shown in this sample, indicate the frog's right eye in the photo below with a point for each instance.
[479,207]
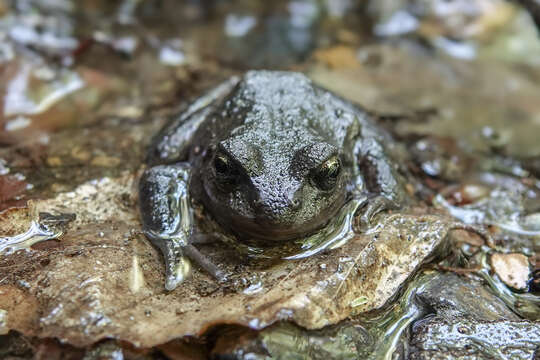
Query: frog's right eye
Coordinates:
[225,169]
[326,175]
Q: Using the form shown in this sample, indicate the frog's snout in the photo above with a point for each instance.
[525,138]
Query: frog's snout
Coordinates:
[278,208]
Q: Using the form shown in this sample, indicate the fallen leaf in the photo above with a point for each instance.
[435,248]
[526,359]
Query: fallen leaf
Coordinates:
[84,288]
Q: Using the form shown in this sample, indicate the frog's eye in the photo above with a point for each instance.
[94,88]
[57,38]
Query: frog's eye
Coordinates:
[325,176]
[225,169]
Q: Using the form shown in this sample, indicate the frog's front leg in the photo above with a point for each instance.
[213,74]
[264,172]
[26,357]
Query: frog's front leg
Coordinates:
[172,143]
[379,178]
[167,220]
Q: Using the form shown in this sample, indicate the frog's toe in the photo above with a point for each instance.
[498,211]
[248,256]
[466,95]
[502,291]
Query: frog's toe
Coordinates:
[205,263]
[177,272]
[373,207]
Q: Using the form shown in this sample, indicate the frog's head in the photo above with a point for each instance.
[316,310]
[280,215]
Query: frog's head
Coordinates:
[274,185]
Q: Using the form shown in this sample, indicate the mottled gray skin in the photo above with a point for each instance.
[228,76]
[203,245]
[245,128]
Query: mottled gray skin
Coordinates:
[272,158]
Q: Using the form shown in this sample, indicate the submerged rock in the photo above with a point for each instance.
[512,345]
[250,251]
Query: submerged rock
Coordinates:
[450,295]
[469,322]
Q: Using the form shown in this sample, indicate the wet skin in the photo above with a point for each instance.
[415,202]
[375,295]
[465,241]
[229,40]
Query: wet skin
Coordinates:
[272,158]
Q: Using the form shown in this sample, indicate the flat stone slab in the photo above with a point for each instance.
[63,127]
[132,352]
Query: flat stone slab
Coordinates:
[102,278]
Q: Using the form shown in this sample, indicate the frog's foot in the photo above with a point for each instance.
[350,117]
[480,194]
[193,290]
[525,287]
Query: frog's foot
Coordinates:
[177,266]
[177,258]
[205,263]
[372,207]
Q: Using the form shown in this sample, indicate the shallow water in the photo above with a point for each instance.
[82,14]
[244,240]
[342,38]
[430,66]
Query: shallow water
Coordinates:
[86,83]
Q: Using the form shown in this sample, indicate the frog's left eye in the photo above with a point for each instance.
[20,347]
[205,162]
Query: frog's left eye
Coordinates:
[224,168]
[326,175]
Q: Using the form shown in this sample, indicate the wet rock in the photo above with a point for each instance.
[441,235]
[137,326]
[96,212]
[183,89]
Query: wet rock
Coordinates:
[468,321]
[46,26]
[184,349]
[463,338]
[266,35]
[86,289]
[504,207]
[513,269]
[238,343]
[376,335]
[105,351]
[451,295]
[32,89]
[15,346]
[439,21]
[526,305]
[349,340]
[532,221]
[471,192]
[440,157]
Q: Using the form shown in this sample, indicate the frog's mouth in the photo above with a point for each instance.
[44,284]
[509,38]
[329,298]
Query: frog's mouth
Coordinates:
[264,231]
[277,233]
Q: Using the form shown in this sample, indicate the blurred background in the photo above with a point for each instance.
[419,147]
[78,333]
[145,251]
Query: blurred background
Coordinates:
[85,84]
[469,69]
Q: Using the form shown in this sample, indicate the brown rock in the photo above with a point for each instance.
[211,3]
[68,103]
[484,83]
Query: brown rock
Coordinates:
[512,269]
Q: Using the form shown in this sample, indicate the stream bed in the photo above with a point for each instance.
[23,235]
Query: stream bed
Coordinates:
[453,275]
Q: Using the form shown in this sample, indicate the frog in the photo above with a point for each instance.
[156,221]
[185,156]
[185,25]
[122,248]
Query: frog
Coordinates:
[272,157]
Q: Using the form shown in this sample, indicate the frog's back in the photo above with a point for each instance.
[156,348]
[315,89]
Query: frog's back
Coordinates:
[286,104]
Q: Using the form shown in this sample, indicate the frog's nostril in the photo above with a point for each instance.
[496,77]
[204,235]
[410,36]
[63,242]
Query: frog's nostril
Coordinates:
[296,202]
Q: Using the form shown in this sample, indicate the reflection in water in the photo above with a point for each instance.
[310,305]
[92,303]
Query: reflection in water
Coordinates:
[47,228]
[471,214]
[332,236]
[33,235]
[337,233]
